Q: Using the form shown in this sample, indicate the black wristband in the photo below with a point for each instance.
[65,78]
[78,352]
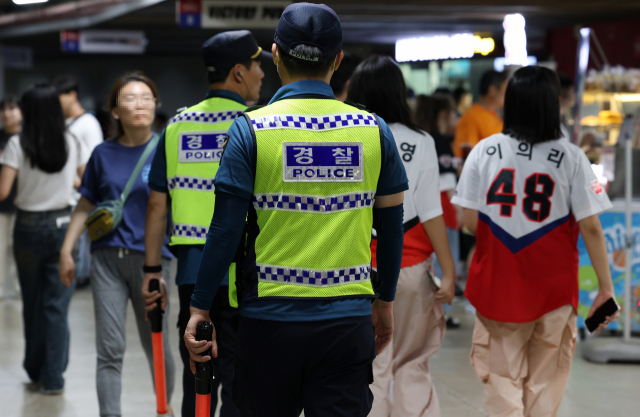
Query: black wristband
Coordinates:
[148,269]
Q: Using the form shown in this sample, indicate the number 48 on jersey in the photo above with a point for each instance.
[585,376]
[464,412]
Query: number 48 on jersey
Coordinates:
[538,188]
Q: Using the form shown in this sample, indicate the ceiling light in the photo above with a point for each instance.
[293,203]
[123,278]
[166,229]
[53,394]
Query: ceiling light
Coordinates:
[23,2]
[515,39]
[461,45]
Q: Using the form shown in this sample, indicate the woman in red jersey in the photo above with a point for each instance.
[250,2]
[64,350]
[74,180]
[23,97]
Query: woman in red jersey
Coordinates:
[527,195]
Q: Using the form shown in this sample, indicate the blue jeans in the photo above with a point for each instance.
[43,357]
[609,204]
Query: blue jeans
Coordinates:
[38,238]
[454,245]
[83,266]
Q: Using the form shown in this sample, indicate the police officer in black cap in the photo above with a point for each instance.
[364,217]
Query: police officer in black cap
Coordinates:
[309,171]
[181,178]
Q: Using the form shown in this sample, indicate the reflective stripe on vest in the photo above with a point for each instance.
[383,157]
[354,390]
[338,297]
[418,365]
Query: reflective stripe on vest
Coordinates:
[190,183]
[205,117]
[192,231]
[316,122]
[314,277]
[193,143]
[314,203]
[317,169]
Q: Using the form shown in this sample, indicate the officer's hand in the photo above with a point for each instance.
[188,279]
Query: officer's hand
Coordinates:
[150,298]
[197,347]
[382,318]
[447,291]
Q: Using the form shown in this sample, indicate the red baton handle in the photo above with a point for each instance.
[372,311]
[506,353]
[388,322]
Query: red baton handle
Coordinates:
[155,317]
[204,372]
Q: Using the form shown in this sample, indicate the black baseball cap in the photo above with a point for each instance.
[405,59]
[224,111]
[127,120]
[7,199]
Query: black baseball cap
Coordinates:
[309,24]
[226,49]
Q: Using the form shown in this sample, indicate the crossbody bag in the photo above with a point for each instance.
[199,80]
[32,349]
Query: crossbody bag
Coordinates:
[105,218]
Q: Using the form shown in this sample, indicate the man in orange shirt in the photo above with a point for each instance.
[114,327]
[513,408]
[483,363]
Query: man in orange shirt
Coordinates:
[482,119]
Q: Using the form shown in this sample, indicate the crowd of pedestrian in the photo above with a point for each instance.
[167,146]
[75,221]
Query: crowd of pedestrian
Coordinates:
[294,260]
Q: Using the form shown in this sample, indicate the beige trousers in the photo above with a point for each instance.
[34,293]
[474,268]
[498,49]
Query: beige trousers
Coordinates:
[419,326]
[524,366]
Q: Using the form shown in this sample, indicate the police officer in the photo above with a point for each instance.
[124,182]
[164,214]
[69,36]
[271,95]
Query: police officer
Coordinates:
[309,170]
[181,178]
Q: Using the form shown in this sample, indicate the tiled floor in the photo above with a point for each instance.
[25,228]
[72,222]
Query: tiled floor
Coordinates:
[593,390]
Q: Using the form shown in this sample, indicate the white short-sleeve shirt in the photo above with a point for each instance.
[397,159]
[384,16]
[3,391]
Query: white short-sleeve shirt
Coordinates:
[87,129]
[39,190]
[422,199]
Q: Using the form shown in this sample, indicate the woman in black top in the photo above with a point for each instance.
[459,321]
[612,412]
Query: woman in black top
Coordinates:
[437,115]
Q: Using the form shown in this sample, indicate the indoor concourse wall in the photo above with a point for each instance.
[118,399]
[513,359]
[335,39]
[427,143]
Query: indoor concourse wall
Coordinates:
[181,79]
[619,39]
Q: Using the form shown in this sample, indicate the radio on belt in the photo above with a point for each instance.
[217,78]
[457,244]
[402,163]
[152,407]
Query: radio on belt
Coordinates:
[322,161]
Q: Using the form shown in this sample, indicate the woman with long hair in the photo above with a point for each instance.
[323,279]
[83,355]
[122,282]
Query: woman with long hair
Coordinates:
[526,194]
[419,322]
[45,159]
[118,258]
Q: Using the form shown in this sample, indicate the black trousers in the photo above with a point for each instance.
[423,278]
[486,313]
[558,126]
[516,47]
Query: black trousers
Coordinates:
[225,320]
[323,367]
